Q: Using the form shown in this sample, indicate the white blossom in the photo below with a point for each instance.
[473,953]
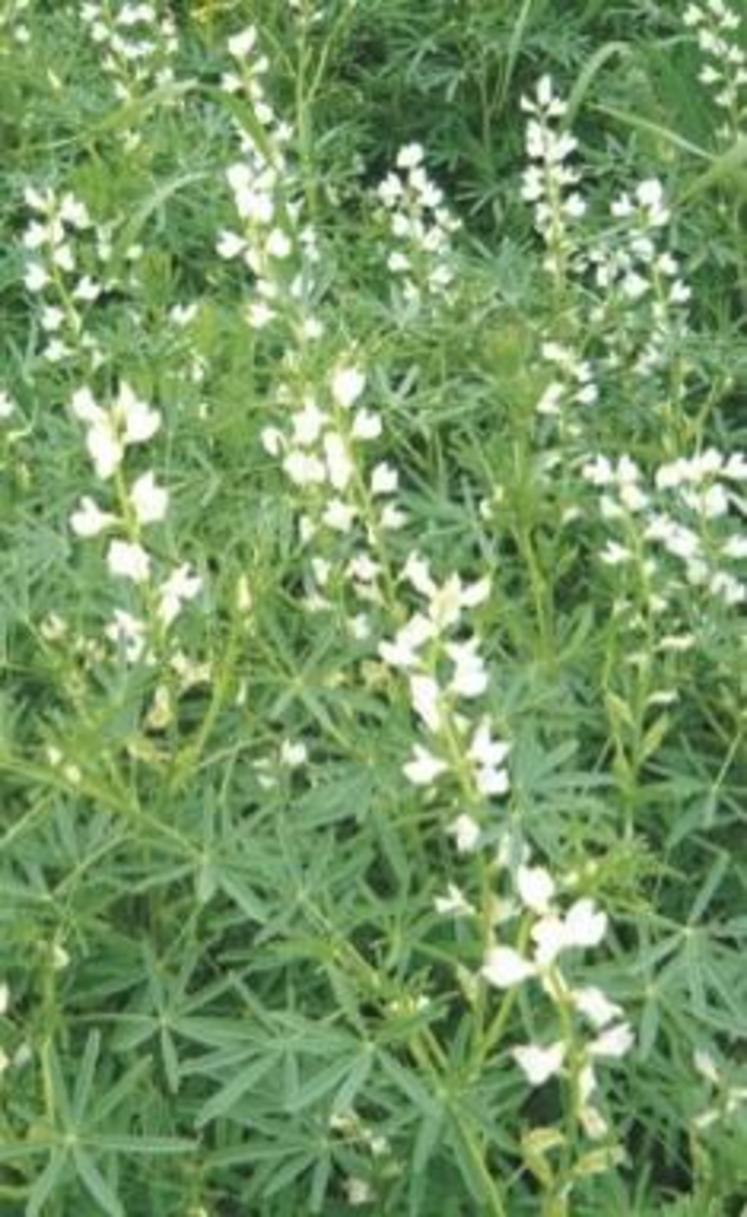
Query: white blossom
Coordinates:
[423,768]
[89,520]
[128,560]
[149,500]
[539,1064]
[466,833]
[504,967]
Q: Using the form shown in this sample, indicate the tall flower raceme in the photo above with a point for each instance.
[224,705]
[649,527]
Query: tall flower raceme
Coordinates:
[346,501]
[274,244]
[690,513]
[540,942]
[628,310]
[137,44]
[67,269]
[550,184]
[446,674]
[641,314]
[550,181]
[420,227]
[717,28]
[130,506]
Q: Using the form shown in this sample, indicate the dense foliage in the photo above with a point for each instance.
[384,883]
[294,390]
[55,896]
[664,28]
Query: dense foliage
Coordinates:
[373,420]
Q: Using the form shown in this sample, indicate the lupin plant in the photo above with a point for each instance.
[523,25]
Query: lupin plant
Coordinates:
[374,571]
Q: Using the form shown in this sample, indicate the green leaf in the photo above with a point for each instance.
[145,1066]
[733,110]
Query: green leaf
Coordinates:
[95,1183]
[46,1183]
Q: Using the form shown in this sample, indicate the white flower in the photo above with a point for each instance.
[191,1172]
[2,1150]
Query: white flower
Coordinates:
[594,1124]
[182,585]
[4,998]
[466,833]
[366,425]
[242,44]
[278,244]
[384,479]
[293,753]
[139,422]
[423,768]
[424,692]
[453,904]
[392,518]
[52,318]
[539,1064]
[585,925]
[89,520]
[536,888]
[87,289]
[596,1006]
[504,967]
[410,156]
[84,407]
[129,561]
[491,782]
[615,1042]
[549,938]
[259,314]
[230,245]
[339,465]
[346,385]
[127,632]
[488,755]
[182,314]
[105,448]
[36,277]
[148,499]
[339,516]
[358,1191]
[403,652]
[7,405]
[272,440]
[303,469]
[307,423]
[706,1066]
[470,677]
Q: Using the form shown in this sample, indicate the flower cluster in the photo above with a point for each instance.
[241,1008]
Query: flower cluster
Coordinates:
[592,1027]
[444,671]
[342,498]
[641,315]
[136,45]
[65,269]
[549,182]
[272,243]
[137,504]
[420,225]
[725,68]
[572,383]
[691,511]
